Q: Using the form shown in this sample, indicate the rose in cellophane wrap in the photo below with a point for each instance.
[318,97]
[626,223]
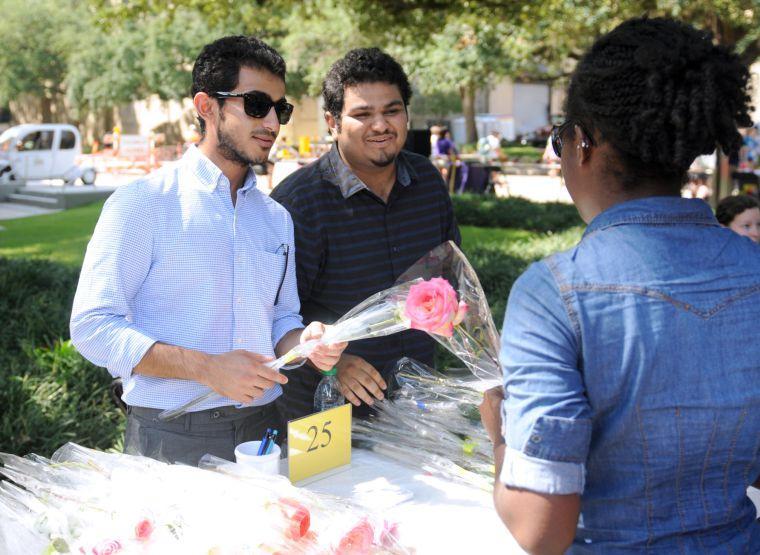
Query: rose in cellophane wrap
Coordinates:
[439,294]
[377,316]
[86,501]
[430,420]
[470,334]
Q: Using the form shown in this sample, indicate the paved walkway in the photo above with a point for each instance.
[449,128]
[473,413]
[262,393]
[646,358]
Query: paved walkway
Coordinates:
[538,188]
[11,211]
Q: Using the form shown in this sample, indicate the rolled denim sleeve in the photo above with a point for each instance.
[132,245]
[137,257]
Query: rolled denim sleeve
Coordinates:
[546,414]
[117,261]
[286,311]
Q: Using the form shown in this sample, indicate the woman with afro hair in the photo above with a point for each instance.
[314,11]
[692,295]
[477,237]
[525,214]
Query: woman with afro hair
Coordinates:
[629,422]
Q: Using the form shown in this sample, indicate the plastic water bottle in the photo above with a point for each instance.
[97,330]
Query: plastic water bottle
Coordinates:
[328,395]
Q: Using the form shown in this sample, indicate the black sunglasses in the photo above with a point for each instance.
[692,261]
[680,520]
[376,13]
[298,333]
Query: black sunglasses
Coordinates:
[559,130]
[257,104]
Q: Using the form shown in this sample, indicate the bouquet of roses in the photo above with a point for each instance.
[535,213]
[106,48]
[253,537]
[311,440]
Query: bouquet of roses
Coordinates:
[439,294]
[85,501]
[427,421]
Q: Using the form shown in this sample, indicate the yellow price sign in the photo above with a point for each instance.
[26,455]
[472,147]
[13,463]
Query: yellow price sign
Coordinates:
[319,442]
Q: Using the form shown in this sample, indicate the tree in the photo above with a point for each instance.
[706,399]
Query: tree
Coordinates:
[323,31]
[463,56]
[38,38]
[448,45]
[107,69]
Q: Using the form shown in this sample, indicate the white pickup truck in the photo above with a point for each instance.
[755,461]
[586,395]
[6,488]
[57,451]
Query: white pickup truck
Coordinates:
[42,151]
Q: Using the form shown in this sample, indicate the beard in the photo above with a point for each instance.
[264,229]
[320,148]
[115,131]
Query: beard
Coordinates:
[385,160]
[230,150]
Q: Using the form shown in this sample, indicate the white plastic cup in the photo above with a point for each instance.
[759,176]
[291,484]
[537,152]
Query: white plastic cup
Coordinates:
[245,454]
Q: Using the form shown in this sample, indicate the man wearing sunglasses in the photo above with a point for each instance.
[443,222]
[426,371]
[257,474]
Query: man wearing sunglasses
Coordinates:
[189,279]
[363,213]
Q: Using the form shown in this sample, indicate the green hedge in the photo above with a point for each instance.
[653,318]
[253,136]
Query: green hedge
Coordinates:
[35,304]
[499,265]
[486,211]
[49,394]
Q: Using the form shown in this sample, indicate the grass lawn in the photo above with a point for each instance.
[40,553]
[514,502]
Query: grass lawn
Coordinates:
[61,237]
[527,153]
[52,388]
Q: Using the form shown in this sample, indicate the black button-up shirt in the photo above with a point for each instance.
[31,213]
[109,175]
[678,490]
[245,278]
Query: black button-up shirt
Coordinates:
[350,244]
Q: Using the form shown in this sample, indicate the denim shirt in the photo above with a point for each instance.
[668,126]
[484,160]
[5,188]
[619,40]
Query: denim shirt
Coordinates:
[632,377]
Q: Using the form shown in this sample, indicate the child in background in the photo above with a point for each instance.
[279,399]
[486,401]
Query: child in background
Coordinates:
[740,214]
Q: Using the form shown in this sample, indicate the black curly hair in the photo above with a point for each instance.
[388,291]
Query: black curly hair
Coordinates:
[661,93]
[362,65]
[218,65]
[730,207]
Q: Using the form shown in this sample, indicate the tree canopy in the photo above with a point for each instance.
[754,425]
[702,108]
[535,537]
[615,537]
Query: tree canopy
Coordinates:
[106,52]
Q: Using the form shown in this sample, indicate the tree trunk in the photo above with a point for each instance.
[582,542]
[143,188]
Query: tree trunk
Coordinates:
[107,121]
[467,93]
[46,110]
[721,183]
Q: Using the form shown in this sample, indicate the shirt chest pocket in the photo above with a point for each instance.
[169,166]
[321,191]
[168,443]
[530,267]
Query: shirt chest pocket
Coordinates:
[269,275]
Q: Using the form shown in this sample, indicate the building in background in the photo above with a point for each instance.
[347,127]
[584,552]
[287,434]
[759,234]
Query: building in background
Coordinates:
[513,107]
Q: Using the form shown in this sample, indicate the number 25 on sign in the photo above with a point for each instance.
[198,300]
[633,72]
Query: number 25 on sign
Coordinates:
[319,442]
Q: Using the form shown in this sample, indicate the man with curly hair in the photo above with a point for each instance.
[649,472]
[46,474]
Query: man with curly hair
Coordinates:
[363,213]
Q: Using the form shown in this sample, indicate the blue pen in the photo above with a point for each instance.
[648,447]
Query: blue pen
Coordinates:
[263,443]
[273,437]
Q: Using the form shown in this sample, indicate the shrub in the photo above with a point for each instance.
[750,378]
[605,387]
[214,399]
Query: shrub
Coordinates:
[52,396]
[48,393]
[485,211]
[498,266]
[35,304]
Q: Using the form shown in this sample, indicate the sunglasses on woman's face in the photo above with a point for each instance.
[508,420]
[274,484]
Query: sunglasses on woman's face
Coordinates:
[559,130]
[257,104]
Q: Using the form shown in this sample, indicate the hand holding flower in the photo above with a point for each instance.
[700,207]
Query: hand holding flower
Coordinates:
[323,356]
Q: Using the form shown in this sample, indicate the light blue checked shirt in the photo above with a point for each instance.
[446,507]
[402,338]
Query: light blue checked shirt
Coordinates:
[172,260]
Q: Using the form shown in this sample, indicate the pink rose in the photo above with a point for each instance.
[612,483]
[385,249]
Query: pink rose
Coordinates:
[107,547]
[461,313]
[144,529]
[298,518]
[358,540]
[432,306]
[389,534]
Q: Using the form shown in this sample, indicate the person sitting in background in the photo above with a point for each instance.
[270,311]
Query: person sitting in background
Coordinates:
[751,148]
[494,144]
[435,134]
[490,146]
[447,149]
[446,146]
[740,214]
[632,421]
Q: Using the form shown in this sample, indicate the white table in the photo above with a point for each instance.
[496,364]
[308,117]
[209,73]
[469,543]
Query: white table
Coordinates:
[440,517]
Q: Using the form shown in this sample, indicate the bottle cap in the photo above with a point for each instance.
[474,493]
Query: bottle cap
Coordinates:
[331,372]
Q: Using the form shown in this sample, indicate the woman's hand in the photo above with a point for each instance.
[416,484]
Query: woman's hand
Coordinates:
[490,414]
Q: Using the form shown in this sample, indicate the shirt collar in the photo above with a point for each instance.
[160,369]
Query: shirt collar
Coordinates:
[654,210]
[208,175]
[341,175]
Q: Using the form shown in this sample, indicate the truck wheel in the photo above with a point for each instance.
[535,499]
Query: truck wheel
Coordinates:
[88,176]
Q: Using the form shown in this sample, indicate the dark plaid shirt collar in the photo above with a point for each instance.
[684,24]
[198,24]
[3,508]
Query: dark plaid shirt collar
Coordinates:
[342,176]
